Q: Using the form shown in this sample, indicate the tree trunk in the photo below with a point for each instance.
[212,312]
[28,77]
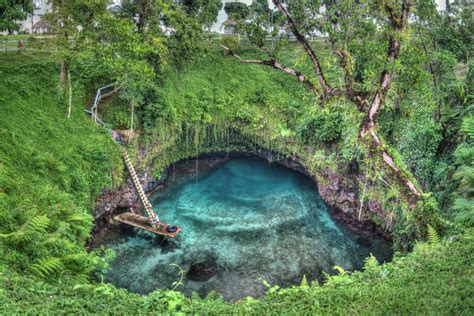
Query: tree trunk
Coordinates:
[377,148]
[369,135]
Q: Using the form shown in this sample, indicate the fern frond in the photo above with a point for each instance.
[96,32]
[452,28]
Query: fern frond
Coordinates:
[48,266]
[467,126]
[465,176]
[77,217]
[39,224]
[80,279]
[433,236]
[52,238]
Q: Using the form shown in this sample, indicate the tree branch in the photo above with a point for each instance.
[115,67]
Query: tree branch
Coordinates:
[326,88]
[272,62]
[398,24]
[359,98]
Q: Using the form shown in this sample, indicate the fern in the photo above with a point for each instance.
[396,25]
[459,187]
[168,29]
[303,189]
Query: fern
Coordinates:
[48,266]
[465,176]
[433,236]
[467,126]
[304,282]
[38,224]
[80,279]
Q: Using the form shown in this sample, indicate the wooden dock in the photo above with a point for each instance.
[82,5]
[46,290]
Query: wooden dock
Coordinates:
[144,223]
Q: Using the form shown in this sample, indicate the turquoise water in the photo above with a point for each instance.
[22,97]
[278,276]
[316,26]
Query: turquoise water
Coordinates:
[244,221]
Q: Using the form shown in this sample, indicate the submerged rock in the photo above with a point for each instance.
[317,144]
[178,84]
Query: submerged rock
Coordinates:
[202,271]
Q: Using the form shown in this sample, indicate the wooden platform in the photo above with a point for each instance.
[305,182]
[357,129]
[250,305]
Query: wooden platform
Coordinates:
[143,223]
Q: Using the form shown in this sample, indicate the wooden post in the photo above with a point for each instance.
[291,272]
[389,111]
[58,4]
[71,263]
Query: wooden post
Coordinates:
[69,94]
[131,122]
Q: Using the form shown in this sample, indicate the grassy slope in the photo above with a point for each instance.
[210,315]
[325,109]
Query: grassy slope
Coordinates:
[51,167]
[43,156]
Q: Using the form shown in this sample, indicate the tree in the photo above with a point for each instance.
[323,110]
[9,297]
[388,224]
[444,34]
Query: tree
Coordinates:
[204,10]
[12,12]
[144,12]
[260,7]
[366,31]
[69,19]
[182,24]
[236,10]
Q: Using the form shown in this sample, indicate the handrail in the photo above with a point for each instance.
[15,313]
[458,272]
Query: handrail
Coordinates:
[98,98]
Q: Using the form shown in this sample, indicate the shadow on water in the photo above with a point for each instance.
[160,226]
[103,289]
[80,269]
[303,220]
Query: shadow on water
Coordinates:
[243,222]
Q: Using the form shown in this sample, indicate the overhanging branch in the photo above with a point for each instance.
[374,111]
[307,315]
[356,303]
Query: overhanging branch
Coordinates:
[272,62]
[326,88]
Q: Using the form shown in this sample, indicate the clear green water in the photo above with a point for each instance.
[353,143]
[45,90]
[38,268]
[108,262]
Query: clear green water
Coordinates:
[243,222]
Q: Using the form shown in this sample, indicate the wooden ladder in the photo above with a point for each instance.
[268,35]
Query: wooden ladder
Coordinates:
[136,183]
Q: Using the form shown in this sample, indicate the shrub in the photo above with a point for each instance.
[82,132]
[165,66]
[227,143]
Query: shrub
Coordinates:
[324,126]
[231,43]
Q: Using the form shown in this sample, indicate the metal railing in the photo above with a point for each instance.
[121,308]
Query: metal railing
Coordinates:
[102,92]
[38,45]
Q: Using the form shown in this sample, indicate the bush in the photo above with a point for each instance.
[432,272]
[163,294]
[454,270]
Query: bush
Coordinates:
[231,43]
[324,126]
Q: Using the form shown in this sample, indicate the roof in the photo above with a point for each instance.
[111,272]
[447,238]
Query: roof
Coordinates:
[230,22]
[42,24]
